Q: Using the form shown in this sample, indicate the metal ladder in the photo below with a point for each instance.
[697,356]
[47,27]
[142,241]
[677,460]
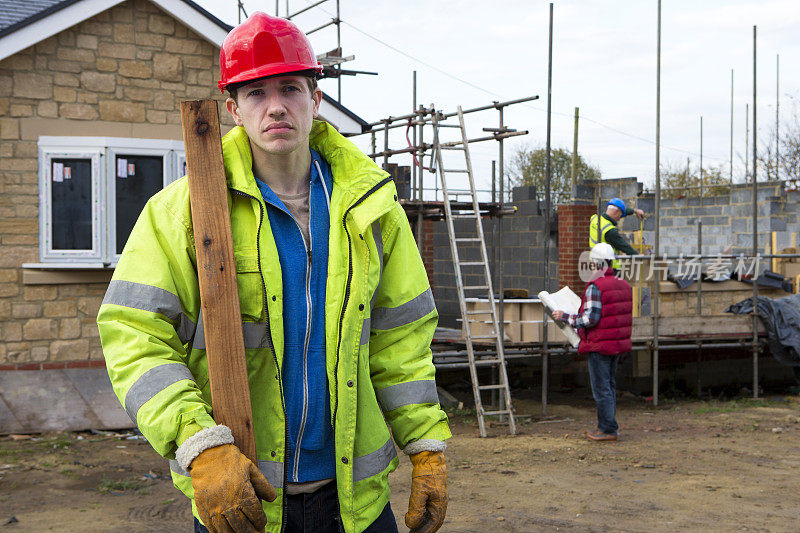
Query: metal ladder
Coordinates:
[497,360]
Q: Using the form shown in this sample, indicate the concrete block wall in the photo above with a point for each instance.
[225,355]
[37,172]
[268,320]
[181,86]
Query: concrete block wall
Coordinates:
[522,254]
[726,218]
[121,73]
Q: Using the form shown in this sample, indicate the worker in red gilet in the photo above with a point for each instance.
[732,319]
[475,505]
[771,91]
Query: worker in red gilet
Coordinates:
[603,323]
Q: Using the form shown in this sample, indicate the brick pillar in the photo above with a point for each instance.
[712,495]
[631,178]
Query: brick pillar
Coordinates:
[427,248]
[573,238]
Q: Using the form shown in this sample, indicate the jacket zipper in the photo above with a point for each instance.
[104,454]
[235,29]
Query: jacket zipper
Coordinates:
[271,347]
[301,430]
[347,293]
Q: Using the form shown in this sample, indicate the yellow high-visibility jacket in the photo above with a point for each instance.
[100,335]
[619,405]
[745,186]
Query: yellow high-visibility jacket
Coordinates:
[605,227]
[379,321]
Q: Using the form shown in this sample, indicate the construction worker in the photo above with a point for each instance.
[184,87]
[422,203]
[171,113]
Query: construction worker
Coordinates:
[337,315]
[604,324]
[608,232]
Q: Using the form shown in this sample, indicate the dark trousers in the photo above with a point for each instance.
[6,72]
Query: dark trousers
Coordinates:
[318,512]
[603,373]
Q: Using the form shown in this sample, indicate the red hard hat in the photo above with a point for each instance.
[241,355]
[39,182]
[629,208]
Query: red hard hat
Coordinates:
[264,46]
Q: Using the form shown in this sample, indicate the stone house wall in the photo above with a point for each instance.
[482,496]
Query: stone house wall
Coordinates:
[121,73]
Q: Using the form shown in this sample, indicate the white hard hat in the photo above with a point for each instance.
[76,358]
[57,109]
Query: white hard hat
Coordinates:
[602,251]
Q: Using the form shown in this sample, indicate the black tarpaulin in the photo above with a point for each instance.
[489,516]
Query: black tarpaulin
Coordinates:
[781,317]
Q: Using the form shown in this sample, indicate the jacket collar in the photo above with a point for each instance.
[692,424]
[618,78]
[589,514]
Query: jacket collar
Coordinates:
[354,174]
[605,216]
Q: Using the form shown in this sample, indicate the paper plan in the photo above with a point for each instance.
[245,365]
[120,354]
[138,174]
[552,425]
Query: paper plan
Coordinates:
[567,301]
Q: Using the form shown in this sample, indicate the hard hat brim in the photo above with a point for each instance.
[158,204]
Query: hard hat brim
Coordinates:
[270,71]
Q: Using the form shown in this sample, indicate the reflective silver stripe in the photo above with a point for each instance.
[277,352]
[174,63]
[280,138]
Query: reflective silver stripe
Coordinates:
[152,299]
[392,317]
[376,234]
[272,470]
[255,335]
[592,234]
[364,332]
[410,392]
[151,383]
[199,341]
[602,232]
[177,468]
[373,463]
[186,328]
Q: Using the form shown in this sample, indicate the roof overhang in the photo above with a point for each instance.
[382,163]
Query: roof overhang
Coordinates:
[198,19]
[189,13]
[344,120]
[55,22]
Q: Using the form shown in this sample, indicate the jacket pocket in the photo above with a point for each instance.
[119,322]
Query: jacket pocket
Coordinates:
[248,280]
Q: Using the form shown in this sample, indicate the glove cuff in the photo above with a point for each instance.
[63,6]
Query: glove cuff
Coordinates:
[200,442]
[424,445]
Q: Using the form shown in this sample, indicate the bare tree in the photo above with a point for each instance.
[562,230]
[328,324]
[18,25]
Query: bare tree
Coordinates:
[683,182]
[528,166]
[786,166]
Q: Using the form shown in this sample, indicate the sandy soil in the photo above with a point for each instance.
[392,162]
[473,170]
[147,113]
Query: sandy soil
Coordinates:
[699,466]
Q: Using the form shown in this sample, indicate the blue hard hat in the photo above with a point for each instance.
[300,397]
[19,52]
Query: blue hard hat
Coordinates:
[618,203]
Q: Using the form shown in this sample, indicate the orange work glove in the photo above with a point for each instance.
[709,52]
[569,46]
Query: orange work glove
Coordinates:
[427,505]
[227,487]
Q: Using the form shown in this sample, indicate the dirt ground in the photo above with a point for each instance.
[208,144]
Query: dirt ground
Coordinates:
[684,466]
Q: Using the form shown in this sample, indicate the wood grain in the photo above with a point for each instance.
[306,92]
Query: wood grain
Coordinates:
[216,271]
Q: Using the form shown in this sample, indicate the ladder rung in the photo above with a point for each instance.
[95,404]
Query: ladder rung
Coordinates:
[475,287]
[459,193]
[502,412]
[487,362]
[472,263]
[482,337]
[467,239]
[448,125]
[487,312]
[457,171]
[471,215]
[490,387]
[444,147]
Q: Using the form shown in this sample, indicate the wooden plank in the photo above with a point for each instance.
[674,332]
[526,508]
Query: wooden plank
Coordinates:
[216,271]
[691,327]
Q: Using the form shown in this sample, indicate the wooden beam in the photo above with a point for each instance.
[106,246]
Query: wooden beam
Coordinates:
[216,272]
[696,327]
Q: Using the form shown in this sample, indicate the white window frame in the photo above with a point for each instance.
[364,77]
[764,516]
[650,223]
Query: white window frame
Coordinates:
[179,160]
[103,151]
[46,249]
[111,189]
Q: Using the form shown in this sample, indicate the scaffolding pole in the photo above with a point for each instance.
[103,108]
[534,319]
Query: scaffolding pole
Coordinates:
[658,204]
[545,354]
[755,228]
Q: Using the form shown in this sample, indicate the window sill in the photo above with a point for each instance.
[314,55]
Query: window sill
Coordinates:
[66,273]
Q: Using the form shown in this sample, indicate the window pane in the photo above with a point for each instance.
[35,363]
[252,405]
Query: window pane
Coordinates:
[71,196]
[138,178]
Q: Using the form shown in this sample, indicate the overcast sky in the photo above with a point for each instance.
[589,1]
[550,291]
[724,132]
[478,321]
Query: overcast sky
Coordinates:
[471,52]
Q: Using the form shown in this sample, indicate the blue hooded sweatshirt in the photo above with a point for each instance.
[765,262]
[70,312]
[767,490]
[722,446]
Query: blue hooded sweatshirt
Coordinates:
[310,454]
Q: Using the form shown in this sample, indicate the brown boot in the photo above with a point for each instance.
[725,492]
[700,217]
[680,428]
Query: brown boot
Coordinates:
[597,435]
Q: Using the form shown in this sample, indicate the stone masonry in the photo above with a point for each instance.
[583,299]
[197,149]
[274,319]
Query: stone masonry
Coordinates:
[122,73]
